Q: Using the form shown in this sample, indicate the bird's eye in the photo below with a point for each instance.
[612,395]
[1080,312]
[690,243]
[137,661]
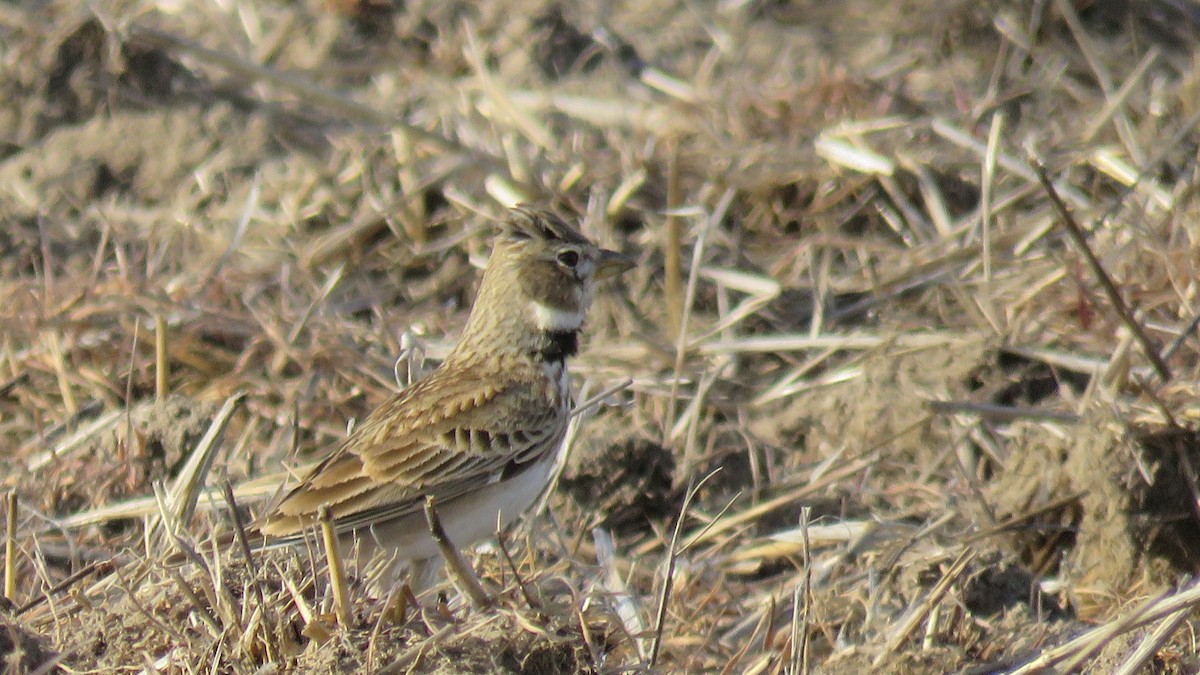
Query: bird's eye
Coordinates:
[569,258]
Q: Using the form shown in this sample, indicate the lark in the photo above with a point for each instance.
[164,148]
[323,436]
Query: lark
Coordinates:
[482,432]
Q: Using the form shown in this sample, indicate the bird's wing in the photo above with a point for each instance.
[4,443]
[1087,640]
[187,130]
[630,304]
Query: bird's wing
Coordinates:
[442,437]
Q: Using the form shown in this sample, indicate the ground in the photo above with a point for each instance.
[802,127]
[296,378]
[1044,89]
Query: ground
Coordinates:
[909,357]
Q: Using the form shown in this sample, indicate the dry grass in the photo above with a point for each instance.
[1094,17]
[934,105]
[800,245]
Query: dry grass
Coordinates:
[894,401]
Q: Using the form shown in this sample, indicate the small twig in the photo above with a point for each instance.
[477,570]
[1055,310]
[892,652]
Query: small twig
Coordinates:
[987,185]
[239,531]
[185,490]
[681,341]
[60,372]
[133,345]
[137,604]
[856,341]
[801,619]
[647,73]
[303,88]
[10,547]
[660,618]
[673,247]
[533,129]
[702,533]
[1183,336]
[624,603]
[460,572]
[7,387]
[593,650]
[283,355]
[1189,476]
[593,401]
[337,571]
[81,435]
[1012,523]
[817,482]
[214,626]
[529,599]
[1001,413]
[212,594]
[1151,644]
[408,660]
[394,594]
[1120,96]
[1008,162]
[1156,401]
[918,613]
[412,357]
[579,415]
[1080,648]
[102,567]
[757,637]
[1106,282]
[161,367]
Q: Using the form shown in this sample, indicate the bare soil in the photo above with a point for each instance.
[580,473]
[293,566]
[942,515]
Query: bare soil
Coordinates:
[884,413]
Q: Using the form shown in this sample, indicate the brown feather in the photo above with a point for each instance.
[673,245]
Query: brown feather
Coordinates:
[493,404]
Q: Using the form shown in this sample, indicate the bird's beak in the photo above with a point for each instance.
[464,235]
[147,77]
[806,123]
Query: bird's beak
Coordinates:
[611,263]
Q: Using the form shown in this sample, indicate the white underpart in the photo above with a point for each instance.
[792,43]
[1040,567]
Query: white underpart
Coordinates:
[550,318]
[468,519]
[557,372]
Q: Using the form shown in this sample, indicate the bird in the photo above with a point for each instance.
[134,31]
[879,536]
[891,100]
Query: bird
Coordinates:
[482,432]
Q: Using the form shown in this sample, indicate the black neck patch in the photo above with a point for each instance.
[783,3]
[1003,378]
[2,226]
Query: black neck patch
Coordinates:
[555,345]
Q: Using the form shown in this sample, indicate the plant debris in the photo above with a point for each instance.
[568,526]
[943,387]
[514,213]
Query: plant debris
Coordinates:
[923,272]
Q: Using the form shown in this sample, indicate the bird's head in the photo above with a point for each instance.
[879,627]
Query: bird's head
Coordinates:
[540,277]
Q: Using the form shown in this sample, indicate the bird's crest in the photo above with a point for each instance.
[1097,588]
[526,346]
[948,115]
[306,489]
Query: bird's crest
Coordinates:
[525,222]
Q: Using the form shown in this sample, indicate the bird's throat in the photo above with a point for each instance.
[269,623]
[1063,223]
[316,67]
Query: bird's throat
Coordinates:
[555,345]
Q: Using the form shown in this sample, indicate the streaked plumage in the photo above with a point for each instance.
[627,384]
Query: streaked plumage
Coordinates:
[482,431]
